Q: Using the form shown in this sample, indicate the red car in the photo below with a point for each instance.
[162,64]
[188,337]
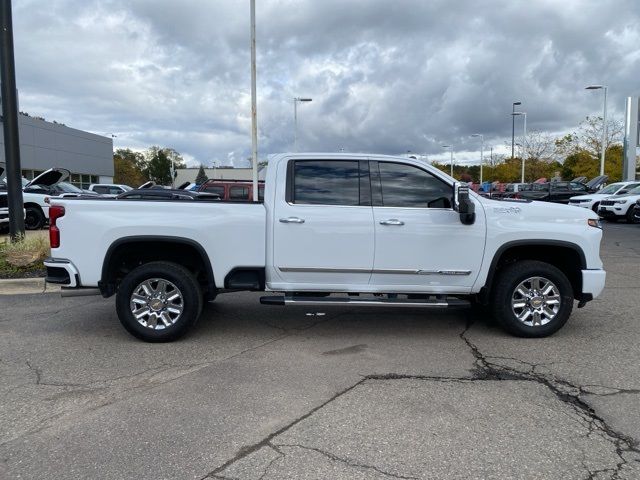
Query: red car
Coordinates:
[233,190]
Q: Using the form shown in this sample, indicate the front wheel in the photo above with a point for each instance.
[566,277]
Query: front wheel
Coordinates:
[532,299]
[631,218]
[159,301]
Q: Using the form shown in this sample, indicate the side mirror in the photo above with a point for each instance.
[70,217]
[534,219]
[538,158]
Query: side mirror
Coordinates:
[463,204]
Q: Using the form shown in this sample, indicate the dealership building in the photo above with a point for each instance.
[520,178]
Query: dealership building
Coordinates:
[43,145]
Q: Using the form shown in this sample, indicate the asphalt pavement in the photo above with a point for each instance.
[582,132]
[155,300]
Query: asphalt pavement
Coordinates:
[258,392]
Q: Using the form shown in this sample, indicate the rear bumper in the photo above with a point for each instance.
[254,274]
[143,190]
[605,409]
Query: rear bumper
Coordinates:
[593,282]
[61,272]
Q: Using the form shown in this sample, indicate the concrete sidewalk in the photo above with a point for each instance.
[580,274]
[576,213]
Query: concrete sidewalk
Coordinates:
[16,286]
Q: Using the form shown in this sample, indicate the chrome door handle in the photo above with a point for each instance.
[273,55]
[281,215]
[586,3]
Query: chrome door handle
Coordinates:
[392,221]
[292,220]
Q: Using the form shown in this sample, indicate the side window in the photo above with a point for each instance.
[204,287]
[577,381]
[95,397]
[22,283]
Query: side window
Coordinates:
[115,190]
[577,187]
[326,182]
[100,189]
[239,193]
[411,187]
[217,189]
[261,193]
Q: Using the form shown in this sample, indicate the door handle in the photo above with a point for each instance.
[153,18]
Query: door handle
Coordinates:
[392,221]
[292,220]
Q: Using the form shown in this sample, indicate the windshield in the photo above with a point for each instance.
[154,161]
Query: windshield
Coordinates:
[126,188]
[68,188]
[610,189]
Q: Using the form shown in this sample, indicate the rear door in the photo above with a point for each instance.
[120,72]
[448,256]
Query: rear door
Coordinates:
[323,233]
[421,245]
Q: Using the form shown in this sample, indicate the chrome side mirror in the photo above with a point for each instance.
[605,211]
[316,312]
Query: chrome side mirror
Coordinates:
[463,204]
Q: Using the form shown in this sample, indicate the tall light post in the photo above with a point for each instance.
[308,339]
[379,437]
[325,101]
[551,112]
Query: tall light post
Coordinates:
[450,147]
[604,124]
[481,152]
[513,126]
[254,107]
[295,119]
[524,140]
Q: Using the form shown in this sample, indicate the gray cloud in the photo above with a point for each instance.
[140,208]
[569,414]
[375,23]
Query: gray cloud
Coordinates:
[383,75]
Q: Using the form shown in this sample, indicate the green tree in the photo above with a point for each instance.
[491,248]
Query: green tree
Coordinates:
[129,167]
[158,164]
[202,176]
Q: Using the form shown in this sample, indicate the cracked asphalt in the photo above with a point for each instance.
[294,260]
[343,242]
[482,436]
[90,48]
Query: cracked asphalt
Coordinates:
[259,392]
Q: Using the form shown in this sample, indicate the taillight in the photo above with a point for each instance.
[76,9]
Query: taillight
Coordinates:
[55,212]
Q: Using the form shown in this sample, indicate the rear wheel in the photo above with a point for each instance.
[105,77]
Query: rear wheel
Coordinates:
[532,299]
[34,219]
[159,301]
[630,215]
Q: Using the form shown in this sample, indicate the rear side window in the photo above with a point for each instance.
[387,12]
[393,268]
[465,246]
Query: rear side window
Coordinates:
[100,189]
[326,182]
[411,187]
[239,193]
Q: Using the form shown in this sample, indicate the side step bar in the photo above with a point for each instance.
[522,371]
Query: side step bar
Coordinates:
[438,302]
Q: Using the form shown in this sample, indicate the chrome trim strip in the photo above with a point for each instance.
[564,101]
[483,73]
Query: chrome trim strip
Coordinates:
[390,271]
[288,300]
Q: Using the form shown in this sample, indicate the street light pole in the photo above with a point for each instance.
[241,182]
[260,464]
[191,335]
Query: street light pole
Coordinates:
[604,124]
[450,147]
[513,126]
[524,141]
[481,152]
[254,108]
[295,120]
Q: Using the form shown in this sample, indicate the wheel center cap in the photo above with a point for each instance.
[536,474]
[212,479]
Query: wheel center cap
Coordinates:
[156,304]
[536,302]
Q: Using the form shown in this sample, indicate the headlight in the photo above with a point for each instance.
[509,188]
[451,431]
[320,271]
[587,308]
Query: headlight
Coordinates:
[594,222]
[620,202]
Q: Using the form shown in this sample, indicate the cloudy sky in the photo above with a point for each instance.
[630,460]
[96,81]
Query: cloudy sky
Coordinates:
[386,76]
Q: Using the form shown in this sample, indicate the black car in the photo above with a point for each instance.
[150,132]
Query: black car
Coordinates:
[561,192]
[151,193]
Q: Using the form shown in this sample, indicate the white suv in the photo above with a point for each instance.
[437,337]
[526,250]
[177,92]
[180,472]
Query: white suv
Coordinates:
[618,207]
[593,200]
[109,189]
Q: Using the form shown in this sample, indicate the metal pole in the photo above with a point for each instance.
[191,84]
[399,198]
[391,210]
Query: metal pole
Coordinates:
[513,129]
[481,156]
[604,133]
[295,124]
[524,144]
[10,124]
[254,110]
[452,161]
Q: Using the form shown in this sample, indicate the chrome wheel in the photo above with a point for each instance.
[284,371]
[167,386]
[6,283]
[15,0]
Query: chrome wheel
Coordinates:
[156,303]
[536,301]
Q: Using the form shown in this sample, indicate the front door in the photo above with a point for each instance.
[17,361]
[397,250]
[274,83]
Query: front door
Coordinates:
[323,226]
[420,243]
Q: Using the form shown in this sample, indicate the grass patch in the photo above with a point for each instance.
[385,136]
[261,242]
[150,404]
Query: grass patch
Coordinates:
[24,258]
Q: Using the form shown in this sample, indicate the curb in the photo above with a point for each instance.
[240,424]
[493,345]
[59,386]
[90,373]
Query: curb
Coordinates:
[18,286]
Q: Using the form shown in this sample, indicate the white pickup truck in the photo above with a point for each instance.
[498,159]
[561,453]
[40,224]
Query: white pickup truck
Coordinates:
[334,229]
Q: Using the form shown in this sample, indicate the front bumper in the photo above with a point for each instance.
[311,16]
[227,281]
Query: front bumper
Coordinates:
[593,282]
[61,272]
[611,212]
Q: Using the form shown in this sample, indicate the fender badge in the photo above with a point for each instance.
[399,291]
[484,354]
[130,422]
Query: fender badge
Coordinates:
[512,210]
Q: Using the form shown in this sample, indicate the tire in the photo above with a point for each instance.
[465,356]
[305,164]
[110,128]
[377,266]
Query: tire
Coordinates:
[506,301]
[34,219]
[162,324]
[630,216]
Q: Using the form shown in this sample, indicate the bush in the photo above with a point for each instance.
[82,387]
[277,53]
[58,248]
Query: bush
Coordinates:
[29,251]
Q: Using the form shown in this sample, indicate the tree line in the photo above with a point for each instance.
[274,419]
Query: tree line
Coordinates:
[576,154]
[135,168]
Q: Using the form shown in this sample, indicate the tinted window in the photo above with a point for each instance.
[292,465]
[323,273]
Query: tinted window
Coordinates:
[217,189]
[326,182]
[101,189]
[115,190]
[578,187]
[409,186]
[260,193]
[239,193]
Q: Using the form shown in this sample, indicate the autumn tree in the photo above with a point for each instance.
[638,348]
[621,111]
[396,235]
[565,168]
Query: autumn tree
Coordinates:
[129,167]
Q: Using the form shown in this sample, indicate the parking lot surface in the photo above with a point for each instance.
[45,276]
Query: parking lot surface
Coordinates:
[260,392]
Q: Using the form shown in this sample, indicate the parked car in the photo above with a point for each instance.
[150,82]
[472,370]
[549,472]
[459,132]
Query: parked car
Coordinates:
[561,192]
[333,229]
[620,207]
[593,200]
[166,194]
[233,190]
[636,212]
[109,188]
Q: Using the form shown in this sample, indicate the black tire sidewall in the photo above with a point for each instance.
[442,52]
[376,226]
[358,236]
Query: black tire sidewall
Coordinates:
[38,215]
[510,278]
[182,279]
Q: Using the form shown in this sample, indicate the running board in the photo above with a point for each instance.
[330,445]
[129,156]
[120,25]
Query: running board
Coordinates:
[364,302]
